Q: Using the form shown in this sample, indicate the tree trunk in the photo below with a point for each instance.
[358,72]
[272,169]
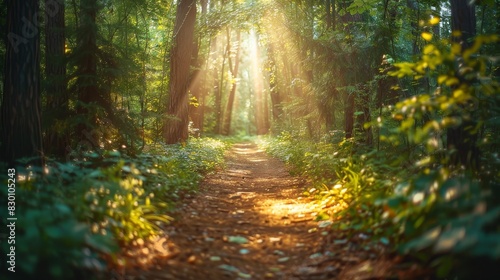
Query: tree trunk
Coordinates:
[328,14]
[176,126]
[20,111]
[196,88]
[260,106]
[349,115]
[219,87]
[86,83]
[56,139]
[234,73]
[461,140]
[276,100]
[197,81]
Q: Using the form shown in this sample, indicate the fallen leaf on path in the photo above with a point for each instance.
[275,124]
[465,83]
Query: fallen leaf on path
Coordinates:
[230,268]
[244,275]
[274,239]
[237,239]
[324,224]
[269,275]
[278,252]
[275,269]
[191,259]
[244,251]
[316,255]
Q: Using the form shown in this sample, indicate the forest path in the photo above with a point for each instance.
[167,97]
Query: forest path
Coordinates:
[249,221]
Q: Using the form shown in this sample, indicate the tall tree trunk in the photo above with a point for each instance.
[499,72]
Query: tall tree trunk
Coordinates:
[20,111]
[462,140]
[197,80]
[328,13]
[260,106]
[234,73]
[56,139]
[349,115]
[196,87]
[176,126]
[219,88]
[86,84]
[276,99]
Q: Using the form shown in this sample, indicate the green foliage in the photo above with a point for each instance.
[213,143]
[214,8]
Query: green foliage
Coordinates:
[346,179]
[49,228]
[73,216]
[410,192]
[447,211]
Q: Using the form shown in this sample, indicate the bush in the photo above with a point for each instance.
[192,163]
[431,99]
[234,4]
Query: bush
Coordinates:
[74,216]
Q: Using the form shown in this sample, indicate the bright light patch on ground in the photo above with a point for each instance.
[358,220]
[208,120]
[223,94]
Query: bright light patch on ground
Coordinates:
[285,208]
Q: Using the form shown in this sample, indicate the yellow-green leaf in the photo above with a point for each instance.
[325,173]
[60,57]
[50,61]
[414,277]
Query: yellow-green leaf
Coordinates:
[427,36]
[434,21]
[442,78]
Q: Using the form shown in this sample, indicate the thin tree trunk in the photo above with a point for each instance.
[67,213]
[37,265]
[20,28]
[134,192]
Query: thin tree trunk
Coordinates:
[349,115]
[234,73]
[197,81]
[218,94]
[57,138]
[276,102]
[461,140]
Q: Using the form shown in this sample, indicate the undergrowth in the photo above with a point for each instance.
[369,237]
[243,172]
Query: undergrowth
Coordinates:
[419,191]
[72,217]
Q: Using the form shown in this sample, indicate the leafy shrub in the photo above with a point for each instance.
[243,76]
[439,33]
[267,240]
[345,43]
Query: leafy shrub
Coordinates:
[51,238]
[74,216]
[345,178]
[413,191]
[448,212]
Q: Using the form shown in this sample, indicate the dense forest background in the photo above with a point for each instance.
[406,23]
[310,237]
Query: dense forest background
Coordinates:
[390,107]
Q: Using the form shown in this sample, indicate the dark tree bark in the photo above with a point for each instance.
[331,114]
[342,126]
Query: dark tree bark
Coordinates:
[56,139]
[365,117]
[462,140]
[349,115]
[226,129]
[21,134]
[328,14]
[327,109]
[219,88]
[86,84]
[176,126]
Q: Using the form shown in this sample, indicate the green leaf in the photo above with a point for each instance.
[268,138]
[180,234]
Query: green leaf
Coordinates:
[384,241]
[237,239]
[227,267]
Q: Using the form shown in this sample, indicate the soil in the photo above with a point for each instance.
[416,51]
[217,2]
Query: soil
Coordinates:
[250,221]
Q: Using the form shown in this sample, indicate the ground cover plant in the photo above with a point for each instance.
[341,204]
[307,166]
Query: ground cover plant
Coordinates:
[75,216]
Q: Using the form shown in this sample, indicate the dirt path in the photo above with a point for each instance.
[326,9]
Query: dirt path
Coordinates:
[250,222]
